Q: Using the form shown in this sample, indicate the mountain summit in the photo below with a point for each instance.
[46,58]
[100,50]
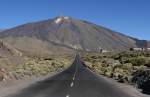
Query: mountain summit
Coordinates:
[65,34]
[60,19]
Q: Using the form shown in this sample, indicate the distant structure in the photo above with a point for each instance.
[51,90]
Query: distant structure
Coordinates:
[100,50]
[148,45]
[144,47]
[141,49]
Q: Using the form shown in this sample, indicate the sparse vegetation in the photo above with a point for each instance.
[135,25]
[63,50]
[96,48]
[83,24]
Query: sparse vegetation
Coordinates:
[121,67]
[36,67]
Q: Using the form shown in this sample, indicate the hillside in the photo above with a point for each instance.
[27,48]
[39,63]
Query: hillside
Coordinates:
[64,35]
[1,30]
[7,50]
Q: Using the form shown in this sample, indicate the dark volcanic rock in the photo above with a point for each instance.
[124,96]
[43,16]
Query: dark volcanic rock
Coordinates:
[142,79]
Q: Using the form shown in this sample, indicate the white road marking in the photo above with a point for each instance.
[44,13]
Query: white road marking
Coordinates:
[71,85]
[73,78]
[67,95]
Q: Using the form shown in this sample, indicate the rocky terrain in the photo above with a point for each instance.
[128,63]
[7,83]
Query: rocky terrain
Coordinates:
[132,67]
[7,50]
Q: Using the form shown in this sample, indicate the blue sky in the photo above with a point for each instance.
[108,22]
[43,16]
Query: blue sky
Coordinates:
[131,17]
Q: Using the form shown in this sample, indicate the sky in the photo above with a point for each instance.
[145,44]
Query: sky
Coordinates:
[130,17]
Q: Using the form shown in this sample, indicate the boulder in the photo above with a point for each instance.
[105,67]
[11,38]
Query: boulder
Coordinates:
[141,78]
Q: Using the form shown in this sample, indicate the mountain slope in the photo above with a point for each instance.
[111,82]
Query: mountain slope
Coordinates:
[6,50]
[1,30]
[63,34]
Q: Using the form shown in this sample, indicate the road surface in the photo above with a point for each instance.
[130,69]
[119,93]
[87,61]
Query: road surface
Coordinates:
[76,81]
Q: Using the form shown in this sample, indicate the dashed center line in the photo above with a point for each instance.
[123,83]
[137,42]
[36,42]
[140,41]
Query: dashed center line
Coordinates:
[71,85]
[67,95]
[74,76]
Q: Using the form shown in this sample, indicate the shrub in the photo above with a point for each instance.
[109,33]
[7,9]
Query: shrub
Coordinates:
[1,77]
[147,63]
[136,61]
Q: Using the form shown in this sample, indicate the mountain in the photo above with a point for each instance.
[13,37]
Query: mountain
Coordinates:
[65,34]
[1,30]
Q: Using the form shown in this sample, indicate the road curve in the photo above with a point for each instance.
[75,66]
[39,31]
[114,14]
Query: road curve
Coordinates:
[76,81]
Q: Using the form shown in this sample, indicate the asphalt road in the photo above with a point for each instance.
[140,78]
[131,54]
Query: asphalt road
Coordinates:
[76,81]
